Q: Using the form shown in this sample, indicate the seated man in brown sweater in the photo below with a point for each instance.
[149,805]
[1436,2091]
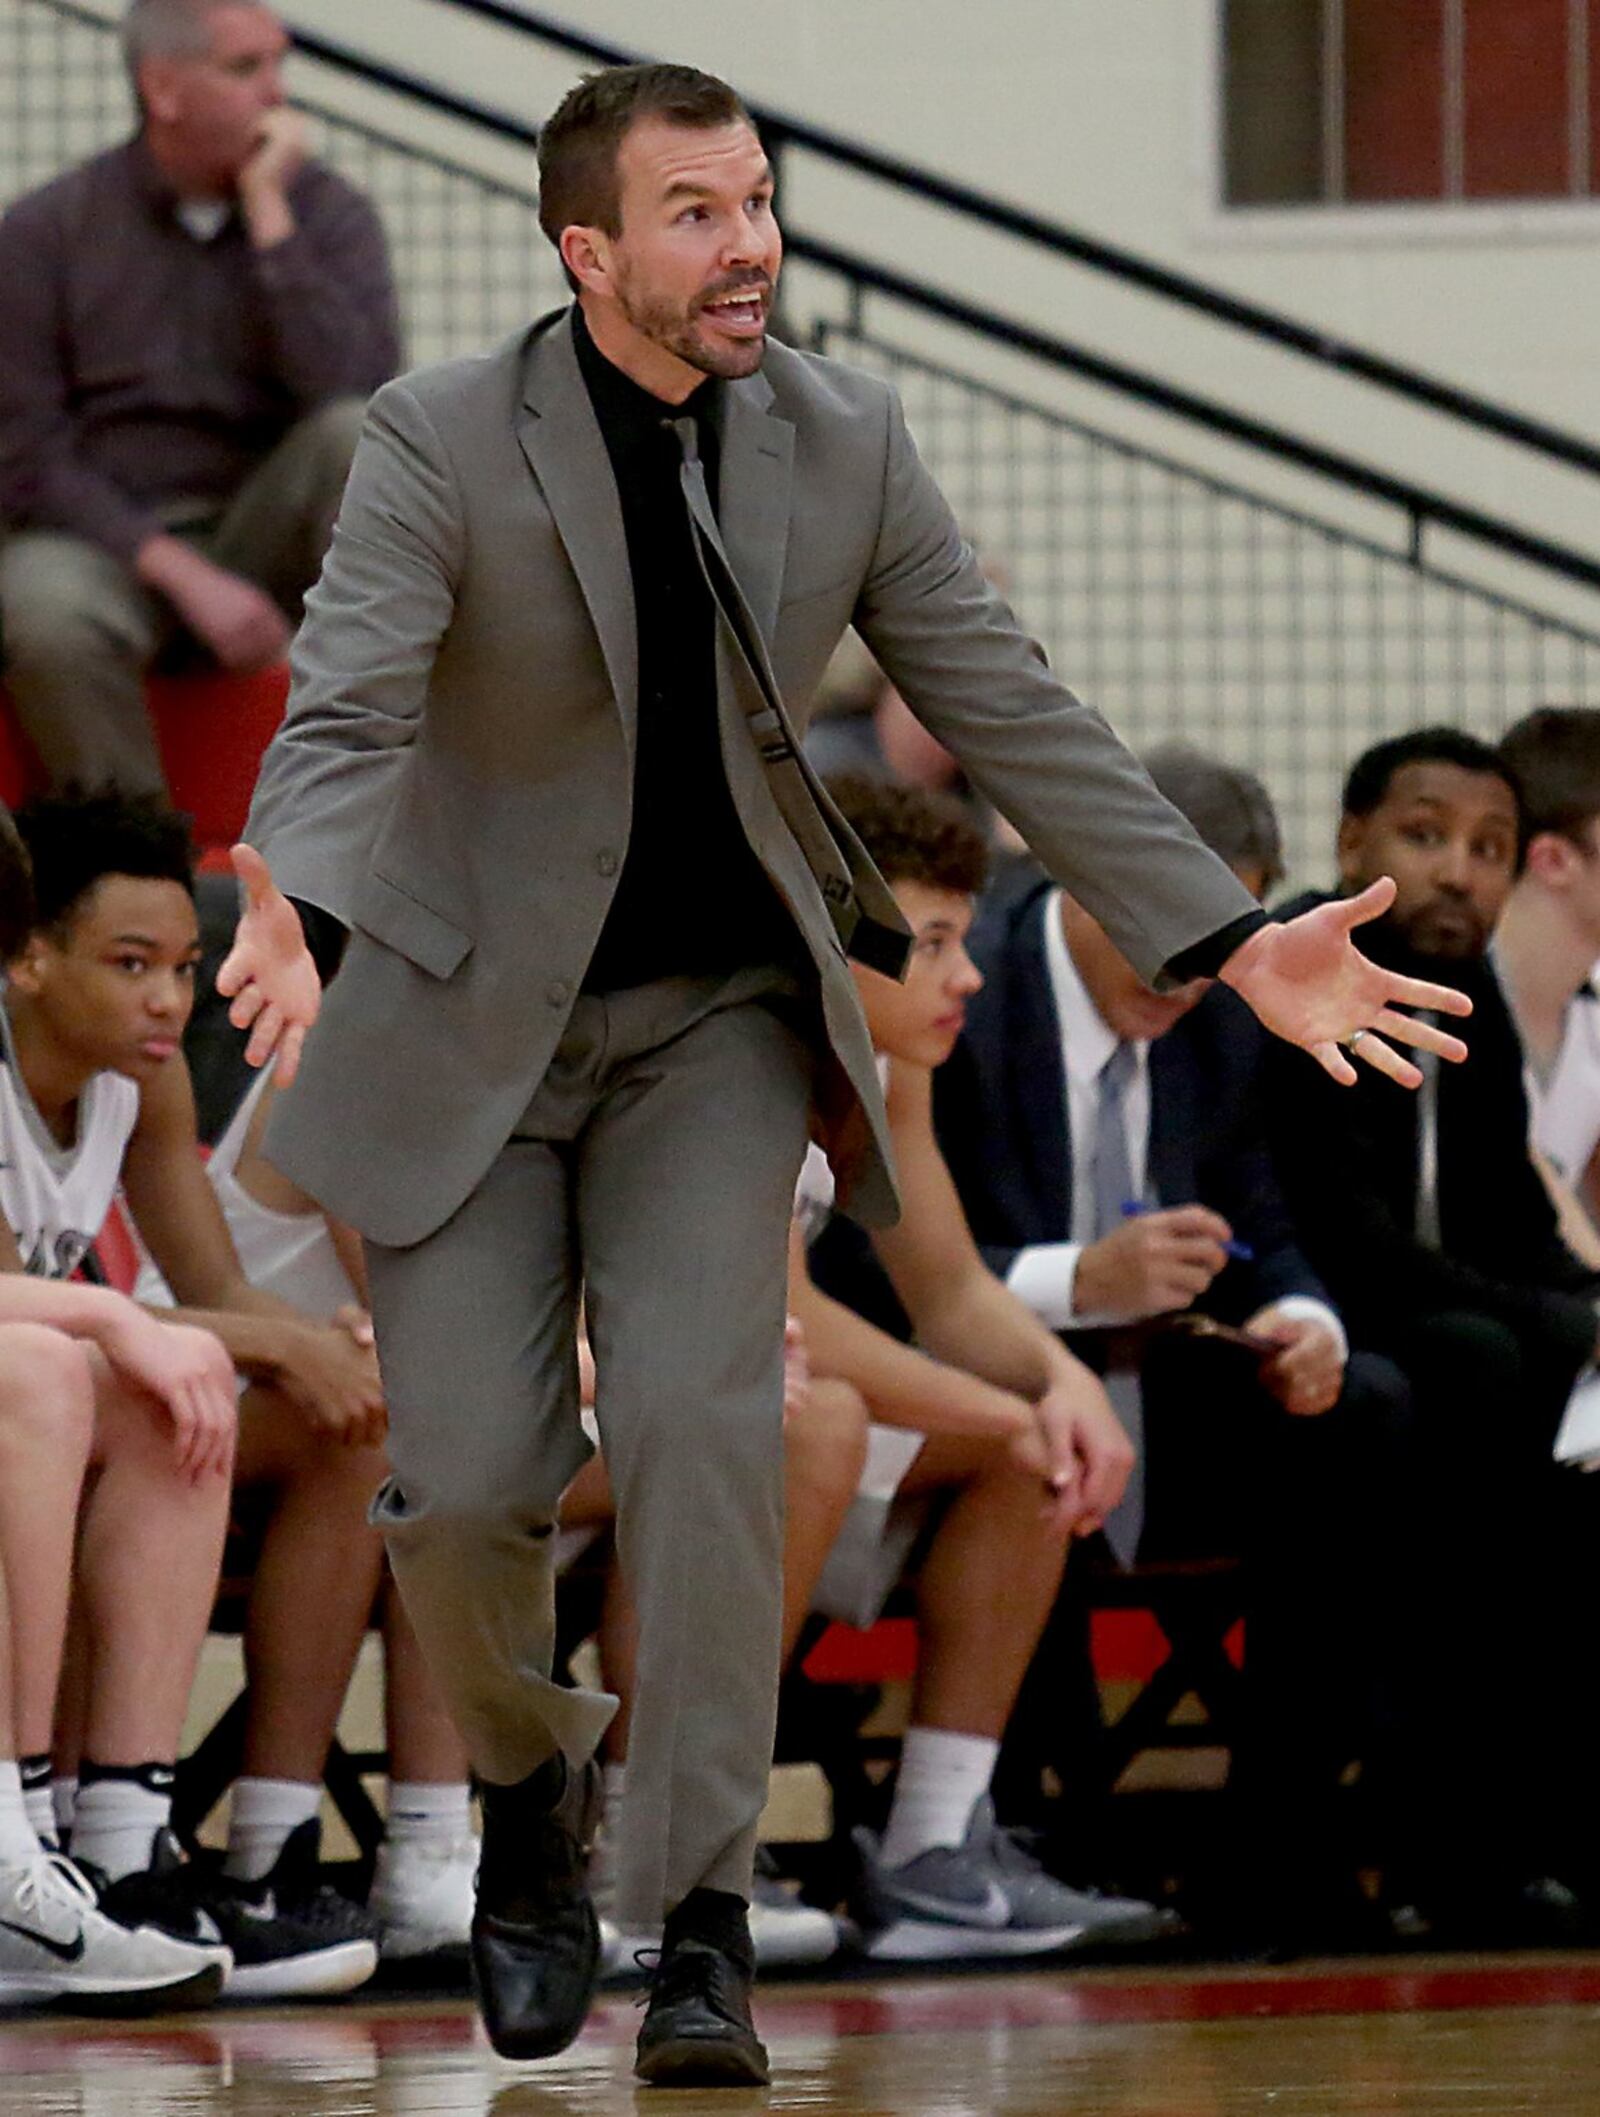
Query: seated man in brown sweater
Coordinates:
[191,326]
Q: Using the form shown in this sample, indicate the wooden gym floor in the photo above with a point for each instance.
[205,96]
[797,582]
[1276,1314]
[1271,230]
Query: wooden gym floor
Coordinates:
[1459,2037]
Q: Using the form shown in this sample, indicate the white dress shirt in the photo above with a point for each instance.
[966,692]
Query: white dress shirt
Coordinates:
[1044,1274]
[1566,1104]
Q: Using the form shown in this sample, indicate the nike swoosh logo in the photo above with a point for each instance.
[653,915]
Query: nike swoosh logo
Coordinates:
[992,1912]
[63,1951]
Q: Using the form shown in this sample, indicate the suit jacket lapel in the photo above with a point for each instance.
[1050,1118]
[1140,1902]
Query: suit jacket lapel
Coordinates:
[560,437]
[1173,1125]
[753,501]
[1037,1074]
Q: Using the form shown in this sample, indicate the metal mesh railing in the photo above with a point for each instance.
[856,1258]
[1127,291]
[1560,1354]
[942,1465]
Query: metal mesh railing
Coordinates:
[1182,605]
[1177,602]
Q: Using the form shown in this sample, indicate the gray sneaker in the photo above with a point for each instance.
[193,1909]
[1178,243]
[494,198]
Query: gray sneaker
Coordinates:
[988,1895]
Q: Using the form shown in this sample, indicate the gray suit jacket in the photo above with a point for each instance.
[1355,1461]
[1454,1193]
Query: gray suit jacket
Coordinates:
[453,780]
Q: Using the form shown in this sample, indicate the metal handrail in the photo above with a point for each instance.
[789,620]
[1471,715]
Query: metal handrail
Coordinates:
[781,129]
[1422,506]
[1419,502]
[1222,488]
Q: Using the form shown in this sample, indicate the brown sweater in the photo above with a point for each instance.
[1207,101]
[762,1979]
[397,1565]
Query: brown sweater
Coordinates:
[140,364]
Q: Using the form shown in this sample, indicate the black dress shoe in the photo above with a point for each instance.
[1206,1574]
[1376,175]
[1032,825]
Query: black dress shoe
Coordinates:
[535,1938]
[697,2031]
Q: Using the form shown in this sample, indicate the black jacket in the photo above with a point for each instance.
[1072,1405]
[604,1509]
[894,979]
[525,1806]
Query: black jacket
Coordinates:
[1000,1108]
[1349,1160]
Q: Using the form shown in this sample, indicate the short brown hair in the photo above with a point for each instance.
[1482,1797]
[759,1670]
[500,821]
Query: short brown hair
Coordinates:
[911,835]
[578,142]
[1228,807]
[1554,753]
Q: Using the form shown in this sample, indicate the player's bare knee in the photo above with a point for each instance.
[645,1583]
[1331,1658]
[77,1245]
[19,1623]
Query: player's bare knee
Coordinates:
[825,1443]
[46,1388]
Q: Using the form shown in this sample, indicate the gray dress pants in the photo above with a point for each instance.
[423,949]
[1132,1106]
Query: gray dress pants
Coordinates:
[653,1176]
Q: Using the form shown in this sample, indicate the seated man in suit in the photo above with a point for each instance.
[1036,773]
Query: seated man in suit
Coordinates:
[1430,1223]
[1106,1142]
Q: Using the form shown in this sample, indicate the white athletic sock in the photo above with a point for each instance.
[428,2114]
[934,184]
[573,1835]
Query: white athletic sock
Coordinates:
[613,1784]
[34,1772]
[428,1814]
[263,1814]
[64,1800]
[603,1860]
[942,1776]
[18,1839]
[115,1823]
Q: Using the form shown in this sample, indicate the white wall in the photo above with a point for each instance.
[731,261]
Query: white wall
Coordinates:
[1095,111]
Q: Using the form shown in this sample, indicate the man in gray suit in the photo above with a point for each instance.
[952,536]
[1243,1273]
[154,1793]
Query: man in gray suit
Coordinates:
[541,768]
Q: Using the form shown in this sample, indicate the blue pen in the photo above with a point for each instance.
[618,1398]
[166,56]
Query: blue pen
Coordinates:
[1241,1252]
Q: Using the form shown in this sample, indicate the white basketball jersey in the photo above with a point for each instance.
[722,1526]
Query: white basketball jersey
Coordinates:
[287,1254]
[55,1199]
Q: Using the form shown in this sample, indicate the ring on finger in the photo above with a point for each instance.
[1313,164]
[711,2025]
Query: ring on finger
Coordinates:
[1353,1041]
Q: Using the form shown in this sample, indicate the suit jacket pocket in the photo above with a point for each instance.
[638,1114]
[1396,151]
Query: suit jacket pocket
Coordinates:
[413,929]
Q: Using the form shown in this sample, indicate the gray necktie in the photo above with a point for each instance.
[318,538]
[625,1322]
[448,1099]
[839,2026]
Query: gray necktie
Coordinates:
[868,922]
[1427,1215]
[1111,1167]
[1112,1172]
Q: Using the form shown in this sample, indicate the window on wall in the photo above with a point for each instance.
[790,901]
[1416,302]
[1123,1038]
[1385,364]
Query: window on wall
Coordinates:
[1371,102]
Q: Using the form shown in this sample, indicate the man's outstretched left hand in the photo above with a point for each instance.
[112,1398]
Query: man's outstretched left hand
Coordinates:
[1308,983]
[268,973]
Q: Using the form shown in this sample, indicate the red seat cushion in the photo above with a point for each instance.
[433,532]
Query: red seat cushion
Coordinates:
[212,729]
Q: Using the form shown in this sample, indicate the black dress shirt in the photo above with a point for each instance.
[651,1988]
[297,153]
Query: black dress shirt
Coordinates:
[692,899]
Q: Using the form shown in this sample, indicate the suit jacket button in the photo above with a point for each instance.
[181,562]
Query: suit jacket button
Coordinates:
[606,862]
[559,993]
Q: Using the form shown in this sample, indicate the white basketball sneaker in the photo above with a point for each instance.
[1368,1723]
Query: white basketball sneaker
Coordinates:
[57,1944]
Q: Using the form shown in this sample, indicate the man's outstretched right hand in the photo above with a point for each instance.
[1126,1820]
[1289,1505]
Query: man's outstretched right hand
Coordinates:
[268,973]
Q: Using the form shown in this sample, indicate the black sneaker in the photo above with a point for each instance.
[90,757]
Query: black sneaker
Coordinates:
[292,1936]
[165,1894]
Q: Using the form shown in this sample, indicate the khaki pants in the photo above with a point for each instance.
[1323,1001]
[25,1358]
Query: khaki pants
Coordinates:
[78,631]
